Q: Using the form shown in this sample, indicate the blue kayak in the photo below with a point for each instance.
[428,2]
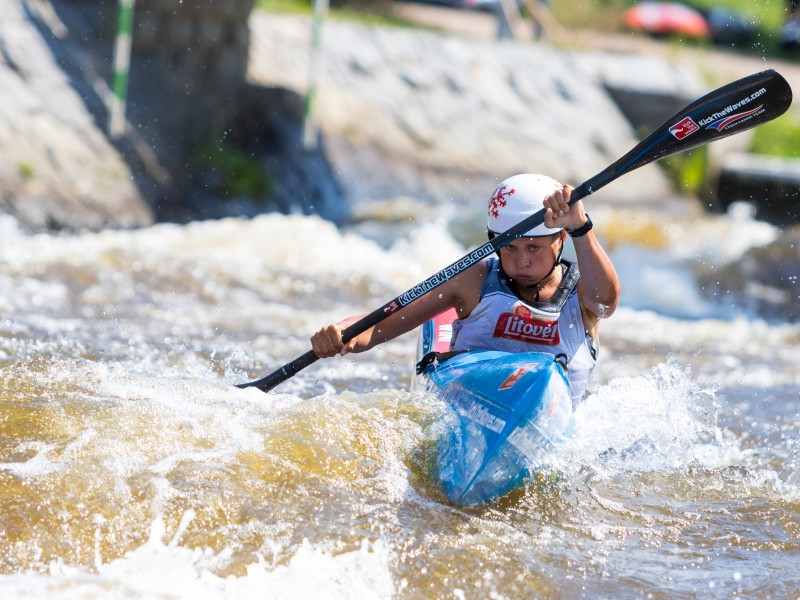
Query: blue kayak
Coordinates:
[506,413]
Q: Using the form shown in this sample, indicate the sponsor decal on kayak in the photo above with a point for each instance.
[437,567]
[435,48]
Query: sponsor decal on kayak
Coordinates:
[721,119]
[523,326]
[528,440]
[512,379]
[480,415]
[444,333]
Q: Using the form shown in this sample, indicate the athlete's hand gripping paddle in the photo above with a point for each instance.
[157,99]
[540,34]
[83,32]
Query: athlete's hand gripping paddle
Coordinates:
[735,107]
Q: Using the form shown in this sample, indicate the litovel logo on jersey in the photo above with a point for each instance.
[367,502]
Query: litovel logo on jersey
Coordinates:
[522,326]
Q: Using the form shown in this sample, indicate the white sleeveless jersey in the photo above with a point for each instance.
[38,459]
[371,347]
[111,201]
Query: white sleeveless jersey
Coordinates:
[502,321]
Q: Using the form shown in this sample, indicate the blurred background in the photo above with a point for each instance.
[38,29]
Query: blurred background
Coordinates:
[190,188]
[231,111]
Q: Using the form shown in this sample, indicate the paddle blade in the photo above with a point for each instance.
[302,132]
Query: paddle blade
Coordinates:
[733,108]
[288,370]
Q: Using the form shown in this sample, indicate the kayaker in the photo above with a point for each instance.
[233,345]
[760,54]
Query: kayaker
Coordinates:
[527,299]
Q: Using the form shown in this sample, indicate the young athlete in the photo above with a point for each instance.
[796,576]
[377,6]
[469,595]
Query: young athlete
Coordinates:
[529,299]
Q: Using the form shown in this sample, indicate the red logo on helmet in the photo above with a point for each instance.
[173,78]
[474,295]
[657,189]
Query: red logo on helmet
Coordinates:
[498,200]
[684,128]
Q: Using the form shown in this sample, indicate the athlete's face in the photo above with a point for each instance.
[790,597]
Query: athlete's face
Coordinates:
[528,259]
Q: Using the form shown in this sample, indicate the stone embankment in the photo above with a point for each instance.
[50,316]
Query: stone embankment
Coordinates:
[58,169]
[440,118]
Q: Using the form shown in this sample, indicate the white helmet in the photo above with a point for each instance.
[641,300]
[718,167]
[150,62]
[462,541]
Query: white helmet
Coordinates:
[519,197]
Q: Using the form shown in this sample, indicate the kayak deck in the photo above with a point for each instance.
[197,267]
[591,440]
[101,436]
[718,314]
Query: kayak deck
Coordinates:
[505,414]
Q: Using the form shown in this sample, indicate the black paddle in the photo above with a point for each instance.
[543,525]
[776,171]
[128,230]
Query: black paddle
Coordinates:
[738,106]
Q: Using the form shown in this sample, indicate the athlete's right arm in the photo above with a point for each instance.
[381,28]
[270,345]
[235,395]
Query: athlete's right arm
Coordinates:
[462,293]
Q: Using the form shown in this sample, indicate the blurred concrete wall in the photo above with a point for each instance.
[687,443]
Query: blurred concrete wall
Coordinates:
[187,77]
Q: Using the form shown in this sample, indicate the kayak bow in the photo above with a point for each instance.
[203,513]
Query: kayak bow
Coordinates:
[506,412]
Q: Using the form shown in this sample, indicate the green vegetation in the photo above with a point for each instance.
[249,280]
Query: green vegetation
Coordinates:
[602,15]
[286,6]
[25,170]
[769,15]
[780,137]
[232,173]
[606,15]
[368,12]
[689,170]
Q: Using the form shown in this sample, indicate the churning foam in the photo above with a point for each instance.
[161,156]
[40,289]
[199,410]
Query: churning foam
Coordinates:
[662,420]
[168,570]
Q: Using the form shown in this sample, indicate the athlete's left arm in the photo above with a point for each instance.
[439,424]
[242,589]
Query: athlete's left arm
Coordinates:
[598,287]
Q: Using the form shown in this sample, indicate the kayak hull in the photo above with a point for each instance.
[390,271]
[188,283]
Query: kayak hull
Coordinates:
[505,413]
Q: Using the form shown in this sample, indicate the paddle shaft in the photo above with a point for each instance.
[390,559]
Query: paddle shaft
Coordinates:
[735,107]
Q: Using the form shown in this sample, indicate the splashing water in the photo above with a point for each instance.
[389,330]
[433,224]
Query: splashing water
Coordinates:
[131,467]
[156,570]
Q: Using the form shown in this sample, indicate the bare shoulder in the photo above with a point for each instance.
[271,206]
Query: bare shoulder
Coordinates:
[465,288]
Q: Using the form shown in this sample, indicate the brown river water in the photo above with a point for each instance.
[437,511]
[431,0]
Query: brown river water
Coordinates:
[132,467]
